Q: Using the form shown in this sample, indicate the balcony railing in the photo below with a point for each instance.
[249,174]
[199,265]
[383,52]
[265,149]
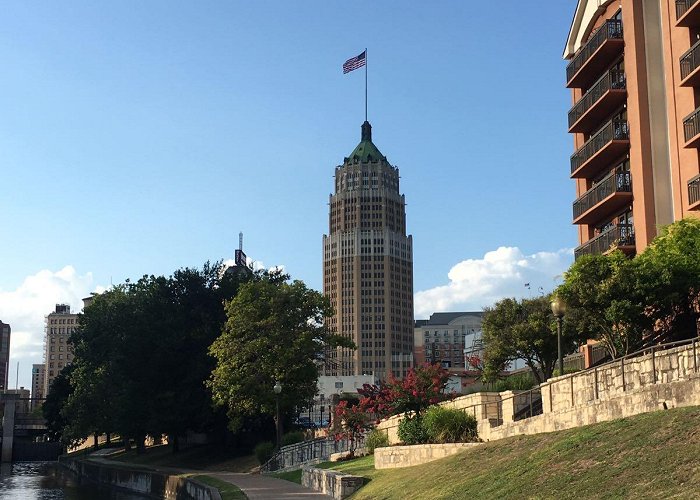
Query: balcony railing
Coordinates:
[612,80]
[614,130]
[683,7]
[621,235]
[610,30]
[691,128]
[694,190]
[689,63]
[618,181]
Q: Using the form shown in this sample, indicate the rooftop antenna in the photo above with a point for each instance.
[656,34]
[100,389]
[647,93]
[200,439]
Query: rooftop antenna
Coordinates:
[240,240]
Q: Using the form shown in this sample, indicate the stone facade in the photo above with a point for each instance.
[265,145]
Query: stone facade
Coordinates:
[395,457]
[333,483]
[662,379]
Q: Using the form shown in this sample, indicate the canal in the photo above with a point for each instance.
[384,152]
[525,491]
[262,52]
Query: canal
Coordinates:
[49,481]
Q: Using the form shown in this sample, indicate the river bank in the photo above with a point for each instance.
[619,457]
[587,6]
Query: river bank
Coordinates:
[142,481]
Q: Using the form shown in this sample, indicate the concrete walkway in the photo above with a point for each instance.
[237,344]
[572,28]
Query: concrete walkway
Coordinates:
[260,487]
[255,486]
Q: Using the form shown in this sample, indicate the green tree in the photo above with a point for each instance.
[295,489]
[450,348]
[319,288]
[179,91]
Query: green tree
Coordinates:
[59,392]
[524,329]
[274,331]
[669,276]
[141,355]
[606,301]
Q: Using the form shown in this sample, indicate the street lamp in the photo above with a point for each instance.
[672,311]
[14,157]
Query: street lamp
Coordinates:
[278,422]
[559,309]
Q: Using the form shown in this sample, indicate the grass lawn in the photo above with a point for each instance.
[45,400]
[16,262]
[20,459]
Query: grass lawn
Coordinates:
[654,455]
[198,458]
[228,491]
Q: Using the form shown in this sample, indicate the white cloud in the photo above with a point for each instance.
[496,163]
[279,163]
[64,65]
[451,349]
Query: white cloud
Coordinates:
[25,308]
[476,283]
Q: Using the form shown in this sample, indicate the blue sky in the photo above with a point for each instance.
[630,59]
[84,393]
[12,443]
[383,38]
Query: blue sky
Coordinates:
[140,137]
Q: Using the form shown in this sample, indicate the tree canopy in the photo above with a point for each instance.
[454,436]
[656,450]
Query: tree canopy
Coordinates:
[141,355]
[524,329]
[274,331]
[628,304]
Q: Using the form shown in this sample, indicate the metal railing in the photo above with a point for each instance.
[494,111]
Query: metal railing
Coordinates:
[612,80]
[691,125]
[617,181]
[614,130]
[313,451]
[619,235]
[694,189]
[529,403]
[611,29]
[682,6]
[690,60]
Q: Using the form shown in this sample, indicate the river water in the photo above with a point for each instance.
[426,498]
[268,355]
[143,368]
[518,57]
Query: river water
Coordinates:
[49,481]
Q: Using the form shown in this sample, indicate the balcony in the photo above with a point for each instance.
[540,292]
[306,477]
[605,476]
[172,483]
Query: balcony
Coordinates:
[690,66]
[694,193]
[687,13]
[606,146]
[691,129]
[617,237]
[605,198]
[603,46]
[609,92]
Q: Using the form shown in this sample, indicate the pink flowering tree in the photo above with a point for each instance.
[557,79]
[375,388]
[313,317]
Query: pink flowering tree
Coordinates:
[420,388]
[351,423]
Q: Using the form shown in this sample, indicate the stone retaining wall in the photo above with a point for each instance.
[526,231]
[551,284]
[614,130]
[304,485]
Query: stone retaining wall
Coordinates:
[336,484]
[394,457]
[150,483]
[664,379]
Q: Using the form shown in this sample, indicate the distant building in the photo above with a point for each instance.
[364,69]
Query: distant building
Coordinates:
[368,266]
[449,338]
[4,354]
[331,386]
[58,353]
[23,405]
[38,376]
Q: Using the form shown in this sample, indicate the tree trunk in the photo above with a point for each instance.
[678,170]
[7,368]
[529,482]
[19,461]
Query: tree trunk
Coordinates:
[95,444]
[108,441]
[175,440]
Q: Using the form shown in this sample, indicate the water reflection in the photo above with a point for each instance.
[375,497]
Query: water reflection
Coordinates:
[48,481]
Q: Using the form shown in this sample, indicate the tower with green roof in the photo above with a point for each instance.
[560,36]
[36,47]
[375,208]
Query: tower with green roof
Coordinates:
[368,266]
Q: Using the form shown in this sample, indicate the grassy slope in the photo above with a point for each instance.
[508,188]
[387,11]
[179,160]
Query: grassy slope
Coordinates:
[655,455]
[228,491]
[199,458]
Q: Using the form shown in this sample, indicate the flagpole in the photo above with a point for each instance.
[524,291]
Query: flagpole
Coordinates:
[365,83]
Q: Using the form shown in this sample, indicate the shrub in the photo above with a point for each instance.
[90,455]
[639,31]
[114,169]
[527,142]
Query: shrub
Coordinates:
[292,437]
[264,451]
[376,439]
[448,425]
[518,382]
[411,430]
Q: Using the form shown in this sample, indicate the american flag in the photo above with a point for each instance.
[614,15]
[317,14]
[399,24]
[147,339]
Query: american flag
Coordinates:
[354,62]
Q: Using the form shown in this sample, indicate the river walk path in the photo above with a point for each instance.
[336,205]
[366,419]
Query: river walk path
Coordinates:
[255,486]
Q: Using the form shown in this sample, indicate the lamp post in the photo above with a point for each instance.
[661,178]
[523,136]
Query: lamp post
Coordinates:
[278,422]
[559,309]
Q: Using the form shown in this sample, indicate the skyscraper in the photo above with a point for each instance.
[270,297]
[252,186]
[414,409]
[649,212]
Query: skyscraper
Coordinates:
[5,331]
[634,75]
[368,266]
[58,353]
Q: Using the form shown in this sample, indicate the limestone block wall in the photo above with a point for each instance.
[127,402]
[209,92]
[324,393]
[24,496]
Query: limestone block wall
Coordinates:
[661,379]
[336,484]
[395,457]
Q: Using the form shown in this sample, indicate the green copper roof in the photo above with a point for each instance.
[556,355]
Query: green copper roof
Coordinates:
[366,150]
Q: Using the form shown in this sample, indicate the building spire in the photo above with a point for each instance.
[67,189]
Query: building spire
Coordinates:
[366,131]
